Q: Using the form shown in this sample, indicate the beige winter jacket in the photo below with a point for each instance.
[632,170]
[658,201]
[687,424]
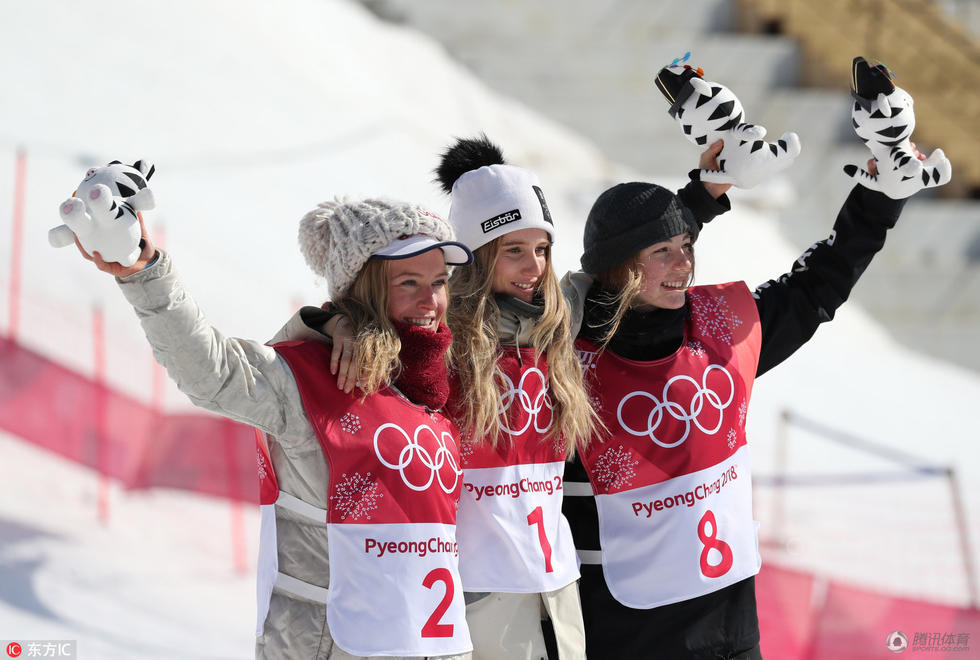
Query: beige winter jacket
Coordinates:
[247,381]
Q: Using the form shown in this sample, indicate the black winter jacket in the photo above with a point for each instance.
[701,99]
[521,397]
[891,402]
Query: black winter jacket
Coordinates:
[723,624]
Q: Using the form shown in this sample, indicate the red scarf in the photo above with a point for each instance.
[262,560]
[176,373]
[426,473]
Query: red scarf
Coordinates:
[423,378]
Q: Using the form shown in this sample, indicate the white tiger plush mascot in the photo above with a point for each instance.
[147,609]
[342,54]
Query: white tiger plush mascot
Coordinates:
[102,212]
[708,111]
[883,118]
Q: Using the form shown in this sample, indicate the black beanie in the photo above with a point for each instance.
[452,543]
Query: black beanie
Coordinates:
[629,217]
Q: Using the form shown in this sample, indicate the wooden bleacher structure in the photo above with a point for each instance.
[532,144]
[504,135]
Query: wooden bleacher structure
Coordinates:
[932,58]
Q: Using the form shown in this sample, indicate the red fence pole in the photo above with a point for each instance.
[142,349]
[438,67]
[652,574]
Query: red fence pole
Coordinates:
[101,426]
[969,573]
[236,491]
[780,464]
[239,546]
[17,243]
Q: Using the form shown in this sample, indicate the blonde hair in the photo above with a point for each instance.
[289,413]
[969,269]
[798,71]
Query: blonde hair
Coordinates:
[376,341]
[474,318]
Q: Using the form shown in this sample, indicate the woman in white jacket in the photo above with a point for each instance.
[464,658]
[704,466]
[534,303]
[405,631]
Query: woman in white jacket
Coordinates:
[358,555]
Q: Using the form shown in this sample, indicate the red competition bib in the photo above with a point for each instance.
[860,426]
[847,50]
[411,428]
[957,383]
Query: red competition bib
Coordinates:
[512,534]
[673,484]
[391,517]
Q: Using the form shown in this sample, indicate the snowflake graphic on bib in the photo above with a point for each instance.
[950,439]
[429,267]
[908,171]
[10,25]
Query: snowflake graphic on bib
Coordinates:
[260,459]
[615,468]
[357,496]
[713,317]
[350,423]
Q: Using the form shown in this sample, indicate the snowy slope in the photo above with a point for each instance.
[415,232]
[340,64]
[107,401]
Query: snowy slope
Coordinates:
[253,113]
[156,579]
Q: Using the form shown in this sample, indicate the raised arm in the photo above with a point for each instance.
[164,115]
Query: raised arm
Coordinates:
[241,379]
[792,306]
[706,200]
[821,279]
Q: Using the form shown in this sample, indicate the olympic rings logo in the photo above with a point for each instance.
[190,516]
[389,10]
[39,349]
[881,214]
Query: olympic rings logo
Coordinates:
[443,457]
[677,411]
[533,408]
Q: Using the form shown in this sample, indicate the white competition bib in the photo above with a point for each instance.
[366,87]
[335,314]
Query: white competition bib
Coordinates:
[681,538]
[370,611]
[512,535]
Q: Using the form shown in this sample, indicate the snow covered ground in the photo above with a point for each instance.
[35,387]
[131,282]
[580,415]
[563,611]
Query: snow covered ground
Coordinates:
[156,579]
[253,113]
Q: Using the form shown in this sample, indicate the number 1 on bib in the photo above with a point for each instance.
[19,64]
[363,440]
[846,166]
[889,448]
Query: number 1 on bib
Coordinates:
[536,517]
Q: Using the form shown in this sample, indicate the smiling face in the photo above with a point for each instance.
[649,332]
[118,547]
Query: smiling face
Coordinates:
[417,291]
[667,269]
[521,262]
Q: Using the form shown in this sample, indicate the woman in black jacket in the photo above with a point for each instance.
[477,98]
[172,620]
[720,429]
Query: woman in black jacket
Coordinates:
[668,545]
[661,510]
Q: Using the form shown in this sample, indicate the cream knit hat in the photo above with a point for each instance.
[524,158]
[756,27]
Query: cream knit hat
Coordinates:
[338,237]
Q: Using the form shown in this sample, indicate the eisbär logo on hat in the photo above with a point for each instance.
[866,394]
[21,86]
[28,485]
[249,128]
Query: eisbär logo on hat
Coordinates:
[490,198]
[500,220]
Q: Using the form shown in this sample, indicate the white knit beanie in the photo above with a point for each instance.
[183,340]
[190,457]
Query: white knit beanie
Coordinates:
[494,200]
[338,237]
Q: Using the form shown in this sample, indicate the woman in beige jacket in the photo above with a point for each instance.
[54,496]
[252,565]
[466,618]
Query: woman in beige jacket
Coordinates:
[365,483]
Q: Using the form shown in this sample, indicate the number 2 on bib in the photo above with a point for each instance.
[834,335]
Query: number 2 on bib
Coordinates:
[536,517]
[432,627]
[711,541]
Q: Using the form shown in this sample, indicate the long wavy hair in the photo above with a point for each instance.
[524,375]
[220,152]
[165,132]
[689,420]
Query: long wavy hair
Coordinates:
[376,341]
[474,317]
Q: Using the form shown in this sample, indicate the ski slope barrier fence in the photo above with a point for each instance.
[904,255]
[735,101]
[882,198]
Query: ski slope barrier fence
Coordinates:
[806,617]
[803,616]
[94,425]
